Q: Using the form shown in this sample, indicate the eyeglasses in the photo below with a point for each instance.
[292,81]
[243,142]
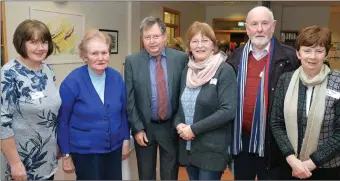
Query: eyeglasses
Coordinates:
[255,25]
[204,42]
[154,37]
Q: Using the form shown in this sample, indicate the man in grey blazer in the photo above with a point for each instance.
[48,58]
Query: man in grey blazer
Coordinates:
[152,78]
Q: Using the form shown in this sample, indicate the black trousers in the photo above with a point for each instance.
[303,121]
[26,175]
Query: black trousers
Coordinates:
[159,135]
[317,174]
[248,165]
[98,166]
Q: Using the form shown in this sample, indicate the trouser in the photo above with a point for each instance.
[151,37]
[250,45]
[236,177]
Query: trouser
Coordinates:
[159,135]
[249,165]
[98,166]
[196,173]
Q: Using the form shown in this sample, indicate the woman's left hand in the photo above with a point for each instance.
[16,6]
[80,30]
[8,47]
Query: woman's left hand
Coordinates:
[309,164]
[186,133]
[125,149]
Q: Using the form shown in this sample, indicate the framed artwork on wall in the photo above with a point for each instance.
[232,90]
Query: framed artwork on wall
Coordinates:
[114,39]
[67,30]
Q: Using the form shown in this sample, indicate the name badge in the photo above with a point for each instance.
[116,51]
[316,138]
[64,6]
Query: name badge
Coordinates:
[261,74]
[213,81]
[332,93]
[37,95]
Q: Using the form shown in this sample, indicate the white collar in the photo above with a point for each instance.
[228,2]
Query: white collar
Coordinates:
[265,49]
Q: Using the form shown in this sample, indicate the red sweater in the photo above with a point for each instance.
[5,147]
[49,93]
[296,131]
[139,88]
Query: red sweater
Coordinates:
[255,67]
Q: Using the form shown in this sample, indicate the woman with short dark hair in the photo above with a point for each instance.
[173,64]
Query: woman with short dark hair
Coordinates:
[29,106]
[305,117]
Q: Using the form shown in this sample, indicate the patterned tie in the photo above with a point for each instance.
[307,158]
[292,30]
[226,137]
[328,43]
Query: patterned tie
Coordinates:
[161,90]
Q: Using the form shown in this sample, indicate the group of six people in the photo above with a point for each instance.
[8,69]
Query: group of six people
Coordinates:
[270,109]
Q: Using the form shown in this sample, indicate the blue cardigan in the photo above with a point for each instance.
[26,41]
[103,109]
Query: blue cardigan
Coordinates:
[86,125]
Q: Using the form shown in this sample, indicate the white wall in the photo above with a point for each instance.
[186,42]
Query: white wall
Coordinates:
[190,12]
[233,11]
[295,18]
[105,15]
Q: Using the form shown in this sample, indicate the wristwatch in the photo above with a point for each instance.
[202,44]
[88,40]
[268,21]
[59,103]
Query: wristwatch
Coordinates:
[65,155]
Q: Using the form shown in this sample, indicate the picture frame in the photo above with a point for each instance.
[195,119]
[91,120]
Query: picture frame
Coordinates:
[114,39]
[65,51]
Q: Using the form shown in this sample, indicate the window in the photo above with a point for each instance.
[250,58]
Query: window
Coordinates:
[3,43]
[171,19]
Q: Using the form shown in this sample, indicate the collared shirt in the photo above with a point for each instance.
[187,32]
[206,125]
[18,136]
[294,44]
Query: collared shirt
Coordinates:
[154,102]
[98,82]
[259,56]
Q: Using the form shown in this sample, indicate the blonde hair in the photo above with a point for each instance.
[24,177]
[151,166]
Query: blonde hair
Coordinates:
[205,30]
[90,35]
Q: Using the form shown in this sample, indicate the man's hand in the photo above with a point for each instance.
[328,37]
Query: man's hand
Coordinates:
[18,171]
[141,138]
[125,149]
[299,169]
[186,133]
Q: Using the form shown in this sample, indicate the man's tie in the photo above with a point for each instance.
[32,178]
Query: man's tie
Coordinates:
[161,90]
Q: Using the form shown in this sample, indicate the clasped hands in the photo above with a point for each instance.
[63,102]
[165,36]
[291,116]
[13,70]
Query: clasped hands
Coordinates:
[185,132]
[301,169]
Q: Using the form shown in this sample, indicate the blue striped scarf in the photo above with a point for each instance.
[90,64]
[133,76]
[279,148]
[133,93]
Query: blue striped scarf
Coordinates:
[256,144]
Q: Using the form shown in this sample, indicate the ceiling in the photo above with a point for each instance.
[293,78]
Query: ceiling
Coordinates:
[283,3]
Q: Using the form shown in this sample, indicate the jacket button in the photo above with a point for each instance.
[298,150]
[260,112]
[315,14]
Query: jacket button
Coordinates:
[108,106]
[280,64]
[105,118]
[273,89]
[107,140]
[107,130]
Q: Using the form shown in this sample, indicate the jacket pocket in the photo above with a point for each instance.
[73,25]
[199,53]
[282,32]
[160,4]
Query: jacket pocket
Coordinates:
[80,129]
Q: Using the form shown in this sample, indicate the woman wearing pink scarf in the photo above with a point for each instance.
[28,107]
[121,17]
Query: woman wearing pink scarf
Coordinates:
[207,106]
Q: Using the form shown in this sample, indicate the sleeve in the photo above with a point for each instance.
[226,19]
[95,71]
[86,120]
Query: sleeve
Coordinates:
[233,60]
[132,113]
[277,122]
[9,102]
[179,116]
[227,91]
[331,148]
[68,99]
[125,124]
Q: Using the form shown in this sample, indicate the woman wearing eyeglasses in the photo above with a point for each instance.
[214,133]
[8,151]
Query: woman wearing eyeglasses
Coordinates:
[93,132]
[207,106]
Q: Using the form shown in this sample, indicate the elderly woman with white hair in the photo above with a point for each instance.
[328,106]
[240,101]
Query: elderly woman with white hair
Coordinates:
[93,132]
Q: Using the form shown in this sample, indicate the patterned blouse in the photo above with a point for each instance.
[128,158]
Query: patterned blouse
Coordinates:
[188,101]
[29,108]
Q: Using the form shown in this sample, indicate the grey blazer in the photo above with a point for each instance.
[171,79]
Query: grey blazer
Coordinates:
[215,111]
[138,86]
